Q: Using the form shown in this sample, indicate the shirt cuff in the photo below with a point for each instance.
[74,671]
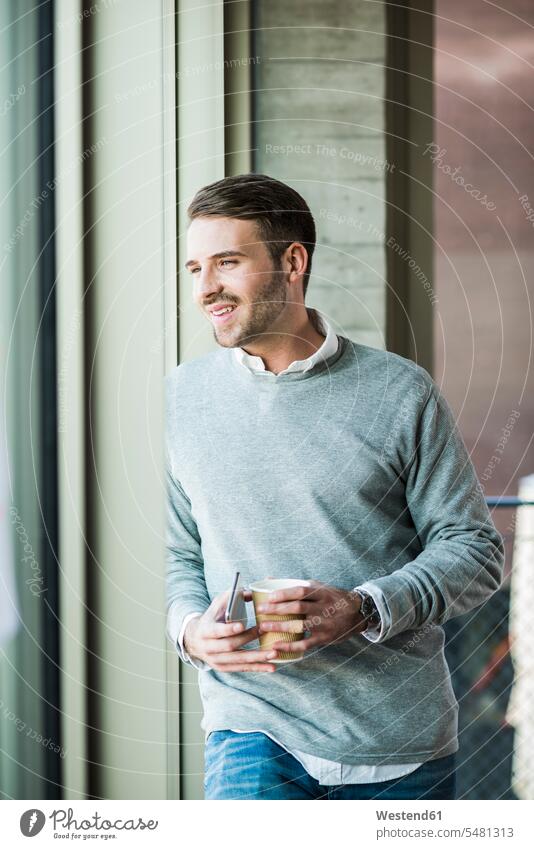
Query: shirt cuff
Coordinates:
[376,633]
[184,656]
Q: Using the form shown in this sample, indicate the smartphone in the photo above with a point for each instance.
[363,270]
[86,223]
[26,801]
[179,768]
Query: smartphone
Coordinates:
[236,610]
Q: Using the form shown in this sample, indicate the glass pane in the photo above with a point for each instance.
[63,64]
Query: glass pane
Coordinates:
[484,264]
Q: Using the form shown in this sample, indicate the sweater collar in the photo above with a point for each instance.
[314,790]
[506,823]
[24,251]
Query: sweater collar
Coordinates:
[327,349]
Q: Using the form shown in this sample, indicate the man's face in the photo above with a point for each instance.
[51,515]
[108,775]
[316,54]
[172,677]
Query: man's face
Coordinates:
[231,266]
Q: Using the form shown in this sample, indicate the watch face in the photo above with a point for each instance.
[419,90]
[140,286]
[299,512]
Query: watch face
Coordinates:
[368,608]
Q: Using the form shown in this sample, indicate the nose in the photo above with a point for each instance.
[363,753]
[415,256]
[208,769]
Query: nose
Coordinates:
[207,284]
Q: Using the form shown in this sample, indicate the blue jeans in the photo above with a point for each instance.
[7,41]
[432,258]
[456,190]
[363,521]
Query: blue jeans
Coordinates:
[252,766]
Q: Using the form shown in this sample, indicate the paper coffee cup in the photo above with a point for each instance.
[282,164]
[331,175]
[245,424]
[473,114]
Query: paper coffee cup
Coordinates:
[261,590]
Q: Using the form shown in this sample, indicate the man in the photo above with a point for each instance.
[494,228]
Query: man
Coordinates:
[295,452]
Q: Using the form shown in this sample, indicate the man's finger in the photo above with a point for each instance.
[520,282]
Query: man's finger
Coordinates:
[252,667]
[298,645]
[232,642]
[221,597]
[218,602]
[302,591]
[244,656]
[218,630]
[281,608]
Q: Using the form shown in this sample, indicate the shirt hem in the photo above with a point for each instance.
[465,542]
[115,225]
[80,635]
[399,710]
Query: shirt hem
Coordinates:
[367,759]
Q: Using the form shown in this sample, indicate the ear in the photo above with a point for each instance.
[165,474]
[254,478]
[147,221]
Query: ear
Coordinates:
[297,258]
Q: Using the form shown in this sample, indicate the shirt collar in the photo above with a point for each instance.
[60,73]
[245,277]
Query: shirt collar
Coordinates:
[329,347]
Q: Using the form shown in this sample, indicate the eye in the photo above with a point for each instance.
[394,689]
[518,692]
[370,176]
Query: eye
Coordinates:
[228,262]
[194,270]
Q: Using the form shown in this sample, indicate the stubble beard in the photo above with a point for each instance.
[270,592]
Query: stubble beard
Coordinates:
[262,313]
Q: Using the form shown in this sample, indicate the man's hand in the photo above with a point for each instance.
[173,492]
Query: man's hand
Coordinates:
[218,643]
[331,615]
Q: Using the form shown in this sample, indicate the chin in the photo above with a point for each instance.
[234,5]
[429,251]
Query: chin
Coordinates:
[228,341]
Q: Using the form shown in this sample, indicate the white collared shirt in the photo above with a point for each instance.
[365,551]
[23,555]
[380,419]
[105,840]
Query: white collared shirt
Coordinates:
[329,347]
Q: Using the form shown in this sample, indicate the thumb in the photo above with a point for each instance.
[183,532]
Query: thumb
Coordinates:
[218,604]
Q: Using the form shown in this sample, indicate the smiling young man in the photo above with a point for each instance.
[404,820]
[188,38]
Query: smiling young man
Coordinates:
[294,452]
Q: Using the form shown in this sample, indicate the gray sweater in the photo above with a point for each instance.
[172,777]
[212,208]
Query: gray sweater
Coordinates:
[351,473]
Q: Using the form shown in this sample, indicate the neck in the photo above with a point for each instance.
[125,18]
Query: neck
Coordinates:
[280,347]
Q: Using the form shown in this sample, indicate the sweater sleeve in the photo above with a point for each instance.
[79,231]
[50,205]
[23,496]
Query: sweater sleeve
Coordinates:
[198,664]
[462,558]
[185,584]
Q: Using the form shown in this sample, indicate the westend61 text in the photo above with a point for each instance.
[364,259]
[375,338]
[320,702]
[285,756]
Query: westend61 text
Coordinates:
[408,815]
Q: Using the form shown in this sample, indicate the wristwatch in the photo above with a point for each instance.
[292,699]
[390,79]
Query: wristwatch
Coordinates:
[368,609]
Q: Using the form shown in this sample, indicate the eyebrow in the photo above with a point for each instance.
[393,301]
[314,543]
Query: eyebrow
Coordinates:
[216,256]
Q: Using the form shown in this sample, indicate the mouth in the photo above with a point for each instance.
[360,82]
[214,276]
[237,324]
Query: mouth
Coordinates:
[224,317]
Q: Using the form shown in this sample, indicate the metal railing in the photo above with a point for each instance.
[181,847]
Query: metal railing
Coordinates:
[508,501]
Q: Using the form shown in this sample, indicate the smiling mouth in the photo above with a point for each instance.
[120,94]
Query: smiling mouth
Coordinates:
[221,317]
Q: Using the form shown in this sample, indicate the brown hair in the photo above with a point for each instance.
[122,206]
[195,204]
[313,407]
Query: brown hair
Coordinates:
[282,216]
